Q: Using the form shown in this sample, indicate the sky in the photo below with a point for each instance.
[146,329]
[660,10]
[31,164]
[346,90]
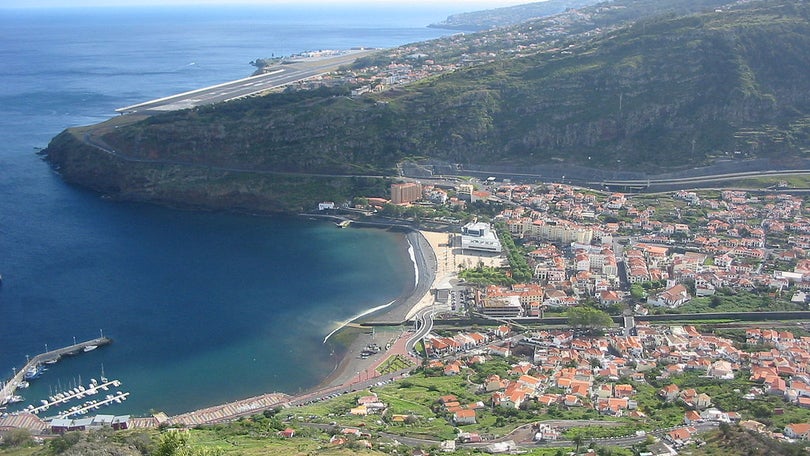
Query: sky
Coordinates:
[465,5]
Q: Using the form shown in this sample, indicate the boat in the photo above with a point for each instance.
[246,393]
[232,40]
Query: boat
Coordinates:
[90,348]
[15,399]
[52,361]
[33,372]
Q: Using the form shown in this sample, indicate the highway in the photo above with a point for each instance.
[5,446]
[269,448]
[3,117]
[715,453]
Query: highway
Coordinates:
[695,180]
[278,76]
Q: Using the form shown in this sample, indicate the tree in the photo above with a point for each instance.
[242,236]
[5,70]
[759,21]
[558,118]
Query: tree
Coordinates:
[578,440]
[176,444]
[637,291]
[64,442]
[170,444]
[17,438]
[588,318]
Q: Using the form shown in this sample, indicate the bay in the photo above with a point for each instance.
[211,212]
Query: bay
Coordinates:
[203,307]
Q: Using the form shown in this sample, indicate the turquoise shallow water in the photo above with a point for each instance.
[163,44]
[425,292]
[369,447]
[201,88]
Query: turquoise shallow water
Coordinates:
[203,307]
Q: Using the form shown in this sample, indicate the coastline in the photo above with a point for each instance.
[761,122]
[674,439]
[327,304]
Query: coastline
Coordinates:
[392,315]
[351,371]
[430,254]
[436,262]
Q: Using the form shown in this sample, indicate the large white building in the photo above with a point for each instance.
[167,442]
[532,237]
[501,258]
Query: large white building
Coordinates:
[479,236]
[555,230]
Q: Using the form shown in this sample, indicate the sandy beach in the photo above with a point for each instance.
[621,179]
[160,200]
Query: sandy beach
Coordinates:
[441,245]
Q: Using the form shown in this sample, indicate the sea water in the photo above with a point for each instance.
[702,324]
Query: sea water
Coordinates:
[203,308]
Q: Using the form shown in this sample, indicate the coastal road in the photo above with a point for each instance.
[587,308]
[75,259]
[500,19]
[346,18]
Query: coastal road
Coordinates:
[278,76]
[424,319]
[592,178]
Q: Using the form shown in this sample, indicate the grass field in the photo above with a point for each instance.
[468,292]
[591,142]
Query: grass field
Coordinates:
[393,363]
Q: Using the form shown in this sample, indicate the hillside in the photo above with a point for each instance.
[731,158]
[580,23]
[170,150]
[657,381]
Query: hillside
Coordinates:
[501,17]
[665,93]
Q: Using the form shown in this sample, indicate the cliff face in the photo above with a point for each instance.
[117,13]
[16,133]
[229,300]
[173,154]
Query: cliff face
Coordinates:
[661,94]
[197,186]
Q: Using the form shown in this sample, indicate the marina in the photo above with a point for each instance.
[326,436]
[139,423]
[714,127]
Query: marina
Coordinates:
[79,392]
[34,366]
[94,405]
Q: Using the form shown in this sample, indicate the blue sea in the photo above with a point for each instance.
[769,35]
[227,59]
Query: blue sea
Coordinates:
[203,307]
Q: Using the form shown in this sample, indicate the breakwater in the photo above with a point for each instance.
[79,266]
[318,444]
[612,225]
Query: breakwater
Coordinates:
[34,363]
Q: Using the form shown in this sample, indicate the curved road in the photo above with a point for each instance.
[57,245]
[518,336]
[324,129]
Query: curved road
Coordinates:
[424,322]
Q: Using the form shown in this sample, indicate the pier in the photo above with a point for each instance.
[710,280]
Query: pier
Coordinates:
[117,397]
[79,393]
[11,386]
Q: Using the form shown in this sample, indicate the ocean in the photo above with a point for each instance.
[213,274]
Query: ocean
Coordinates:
[203,307]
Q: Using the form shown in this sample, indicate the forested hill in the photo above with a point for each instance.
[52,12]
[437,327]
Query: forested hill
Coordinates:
[502,17]
[660,94]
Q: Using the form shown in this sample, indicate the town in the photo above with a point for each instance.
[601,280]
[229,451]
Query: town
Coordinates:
[391,68]
[525,354]
[646,254]
[564,248]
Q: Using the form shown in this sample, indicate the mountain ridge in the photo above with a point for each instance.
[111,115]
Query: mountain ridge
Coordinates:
[658,95]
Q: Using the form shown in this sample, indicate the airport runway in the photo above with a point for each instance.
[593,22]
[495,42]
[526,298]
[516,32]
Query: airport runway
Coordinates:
[278,76]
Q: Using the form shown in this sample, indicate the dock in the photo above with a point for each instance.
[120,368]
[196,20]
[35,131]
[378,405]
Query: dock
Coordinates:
[117,397]
[11,386]
[79,393]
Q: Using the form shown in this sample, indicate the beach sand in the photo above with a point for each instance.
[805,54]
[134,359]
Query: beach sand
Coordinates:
[440,244]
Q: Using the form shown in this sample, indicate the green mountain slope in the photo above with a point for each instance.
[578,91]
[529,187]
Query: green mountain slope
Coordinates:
[661,94]
[501,17]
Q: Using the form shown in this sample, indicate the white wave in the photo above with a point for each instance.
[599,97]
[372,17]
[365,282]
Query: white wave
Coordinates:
[363,314]
[415,265]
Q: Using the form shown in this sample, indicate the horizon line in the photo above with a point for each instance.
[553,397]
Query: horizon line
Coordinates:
[465,5]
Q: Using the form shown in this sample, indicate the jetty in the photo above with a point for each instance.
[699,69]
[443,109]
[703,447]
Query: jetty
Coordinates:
[11,386]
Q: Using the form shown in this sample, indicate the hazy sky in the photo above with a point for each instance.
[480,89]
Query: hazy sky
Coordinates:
[465,5]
